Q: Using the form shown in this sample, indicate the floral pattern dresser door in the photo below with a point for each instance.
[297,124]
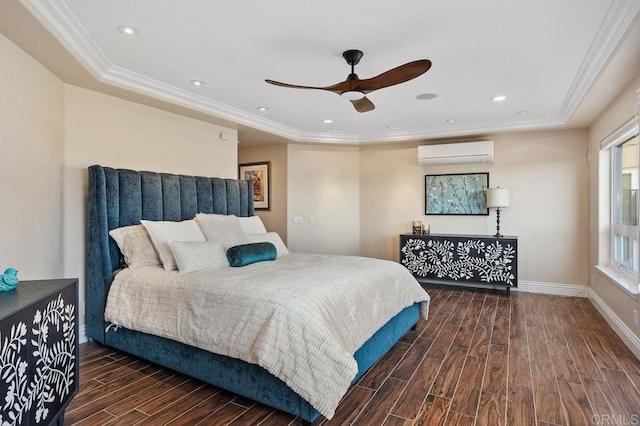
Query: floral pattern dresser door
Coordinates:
[39,351]
[461,259]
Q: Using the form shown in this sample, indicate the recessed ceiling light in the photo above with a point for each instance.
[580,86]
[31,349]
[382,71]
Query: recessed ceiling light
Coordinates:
[327,121]
[392,127]
[426,96]
[127,30]
[521,113]
[499,98]
[262,108]
[451,120]
[197,82]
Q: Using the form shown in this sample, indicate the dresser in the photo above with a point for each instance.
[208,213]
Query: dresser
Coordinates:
[477,260]
[39,351]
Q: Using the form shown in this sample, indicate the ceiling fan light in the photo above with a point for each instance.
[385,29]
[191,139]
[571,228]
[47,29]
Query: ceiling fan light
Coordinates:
[352,95]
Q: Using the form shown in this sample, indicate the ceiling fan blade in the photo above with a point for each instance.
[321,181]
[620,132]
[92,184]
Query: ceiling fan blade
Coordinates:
[363,104]
[292,86]
[394,76]
[338,88]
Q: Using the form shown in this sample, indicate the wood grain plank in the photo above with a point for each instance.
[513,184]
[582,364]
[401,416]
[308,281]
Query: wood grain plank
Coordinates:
[442,343]
[253,416]
[131,418]
[547,397]
[603,356]
[397,421]
[407,365]
[467,395]
[495,375]
[583,358]
[417,389]
[99,418]
[481,339]
[519,363]
[433,412]
[520,406]
[447,379]
[185,406]
[376,411]
[575,402]
[500,333]
[538,347]
[464,336]
[492,410]
[563,363]
[351,406]
[623,390]
[458,419]
[518,323]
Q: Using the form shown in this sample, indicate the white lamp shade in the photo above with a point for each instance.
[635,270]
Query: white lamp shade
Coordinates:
[498,197]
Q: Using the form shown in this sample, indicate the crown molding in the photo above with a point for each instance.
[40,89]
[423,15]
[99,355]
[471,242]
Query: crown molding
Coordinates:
[55,15]
[619,16]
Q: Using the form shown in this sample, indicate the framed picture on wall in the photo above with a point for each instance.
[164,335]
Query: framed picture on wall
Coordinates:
[456,194]
[260,174]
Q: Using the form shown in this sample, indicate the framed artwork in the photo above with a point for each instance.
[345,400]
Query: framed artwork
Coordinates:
[260,174]
[456,194]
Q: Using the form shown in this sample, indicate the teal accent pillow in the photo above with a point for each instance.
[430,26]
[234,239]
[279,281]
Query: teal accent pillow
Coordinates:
[246,254]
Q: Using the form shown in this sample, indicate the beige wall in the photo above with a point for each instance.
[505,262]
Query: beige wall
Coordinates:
[101,129]
[619,112]
[31,139]
[547,174]
[274,219]
[323,182]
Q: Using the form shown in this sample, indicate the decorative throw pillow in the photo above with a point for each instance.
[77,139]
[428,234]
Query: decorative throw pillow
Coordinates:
[193,256]
[221,227]
[246,254]
[136,246]
[252,225]
[162,232]
[270,237]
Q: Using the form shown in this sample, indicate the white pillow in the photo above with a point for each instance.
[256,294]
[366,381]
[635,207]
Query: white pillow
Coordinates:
[193,256]
[136,246]
[252,225]
[270,237]
[162,232]
[223,228]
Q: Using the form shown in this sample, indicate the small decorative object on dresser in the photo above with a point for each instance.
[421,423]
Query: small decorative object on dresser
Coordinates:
[478,260]
[9,280]
[416,227]
[38,352]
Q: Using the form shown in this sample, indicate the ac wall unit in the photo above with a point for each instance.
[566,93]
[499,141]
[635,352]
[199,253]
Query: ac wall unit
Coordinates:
[456,153]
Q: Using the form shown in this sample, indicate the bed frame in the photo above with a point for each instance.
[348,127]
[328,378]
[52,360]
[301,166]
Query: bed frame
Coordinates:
[119,197]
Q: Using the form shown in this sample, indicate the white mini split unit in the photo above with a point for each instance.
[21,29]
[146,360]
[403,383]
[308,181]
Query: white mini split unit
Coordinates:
[456,153]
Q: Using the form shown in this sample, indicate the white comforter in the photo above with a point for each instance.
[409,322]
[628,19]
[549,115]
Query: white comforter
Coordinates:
[300,317]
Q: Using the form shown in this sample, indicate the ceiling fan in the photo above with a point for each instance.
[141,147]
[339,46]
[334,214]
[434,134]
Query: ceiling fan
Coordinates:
[354,89]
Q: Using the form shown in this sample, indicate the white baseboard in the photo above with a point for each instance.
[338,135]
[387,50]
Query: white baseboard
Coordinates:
[626,334]
[552,288]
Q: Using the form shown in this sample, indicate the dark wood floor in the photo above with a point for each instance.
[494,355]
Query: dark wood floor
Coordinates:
[481,358]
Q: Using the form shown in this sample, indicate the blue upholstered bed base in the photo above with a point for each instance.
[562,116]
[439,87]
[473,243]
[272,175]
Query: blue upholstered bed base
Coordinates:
[120,197]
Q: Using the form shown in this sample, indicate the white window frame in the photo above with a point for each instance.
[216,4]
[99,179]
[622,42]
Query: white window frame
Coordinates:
[631,265]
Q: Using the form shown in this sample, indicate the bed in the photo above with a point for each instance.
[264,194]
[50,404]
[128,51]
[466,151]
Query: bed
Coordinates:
[118,198]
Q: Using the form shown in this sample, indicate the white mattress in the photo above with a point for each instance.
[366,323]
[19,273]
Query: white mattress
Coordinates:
[300,317]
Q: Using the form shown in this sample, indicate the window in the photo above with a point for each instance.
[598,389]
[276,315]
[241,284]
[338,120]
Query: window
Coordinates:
[624,204]
[625,164]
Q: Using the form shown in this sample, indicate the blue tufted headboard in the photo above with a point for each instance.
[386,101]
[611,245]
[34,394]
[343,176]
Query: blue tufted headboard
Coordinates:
[120,197]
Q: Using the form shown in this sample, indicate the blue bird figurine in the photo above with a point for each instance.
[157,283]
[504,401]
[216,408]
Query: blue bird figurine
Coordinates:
[9,280]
